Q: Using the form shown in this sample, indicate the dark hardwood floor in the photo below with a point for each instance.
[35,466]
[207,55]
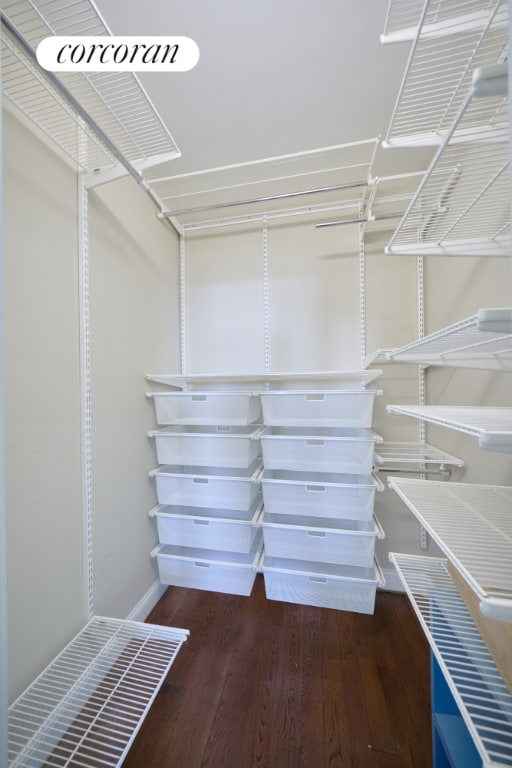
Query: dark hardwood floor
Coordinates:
[266,684]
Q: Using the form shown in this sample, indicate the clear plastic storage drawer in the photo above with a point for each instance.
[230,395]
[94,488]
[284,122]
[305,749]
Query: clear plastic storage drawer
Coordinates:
[344,587]
[207,486]
[319,494]
[330,408]
[207,408]
[200,446]
[219,529]
[208,569]
[341,542]
[319,449]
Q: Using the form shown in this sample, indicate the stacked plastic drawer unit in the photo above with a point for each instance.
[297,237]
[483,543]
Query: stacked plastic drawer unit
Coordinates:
[318,491]
[207,484]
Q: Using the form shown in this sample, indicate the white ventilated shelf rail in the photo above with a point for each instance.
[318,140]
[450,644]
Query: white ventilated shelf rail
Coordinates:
[116,101]
[491,425]
[261,381]
[408,453]
[483,340]
[462,206]
[87,706]
[450,39]
[472,524]
[469,669]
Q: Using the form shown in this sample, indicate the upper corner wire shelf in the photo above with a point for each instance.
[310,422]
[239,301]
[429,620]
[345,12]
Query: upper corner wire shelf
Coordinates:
[87,706]
[483,340]
[451,39]
[408,453]
[475,682]
[115,101]
[492,425]
[333,179]
[261,381]
[462,205]
[472,524]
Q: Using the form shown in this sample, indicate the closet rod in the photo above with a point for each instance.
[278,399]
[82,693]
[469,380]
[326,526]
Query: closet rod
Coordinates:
[27,49]
[269,198]
[361,220]
[444,472]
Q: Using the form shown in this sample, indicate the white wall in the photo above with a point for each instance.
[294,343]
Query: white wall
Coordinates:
[313,299]
[134,331]
[42,404]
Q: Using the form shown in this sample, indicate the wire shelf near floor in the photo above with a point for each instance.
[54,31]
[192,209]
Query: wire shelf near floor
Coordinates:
[116,101]
[483,340]
[475,682]
[413,454]
[472,524]
[491,425]
[450,39]
[87,706]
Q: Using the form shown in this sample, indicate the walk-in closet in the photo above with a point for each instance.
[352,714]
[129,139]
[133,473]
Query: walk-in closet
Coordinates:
[256,410]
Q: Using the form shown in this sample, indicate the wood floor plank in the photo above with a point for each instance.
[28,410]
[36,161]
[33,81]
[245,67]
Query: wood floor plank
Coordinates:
[268,684]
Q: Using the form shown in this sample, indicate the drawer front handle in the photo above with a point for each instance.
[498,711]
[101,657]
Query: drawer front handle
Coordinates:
[319,534]
[316,488]
[314,396]
[203,480]
[199,398]
[199,564]
[317,580]
[319,443]
[201,522]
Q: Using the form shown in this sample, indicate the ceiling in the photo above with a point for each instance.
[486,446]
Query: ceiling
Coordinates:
[273,78]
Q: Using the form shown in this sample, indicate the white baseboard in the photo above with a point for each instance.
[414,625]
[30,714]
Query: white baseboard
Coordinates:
[147,602]
[393,583]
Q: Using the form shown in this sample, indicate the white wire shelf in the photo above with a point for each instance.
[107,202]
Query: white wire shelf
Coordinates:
[408,453]
[332,179]
[472,524]
[462,206]
[116,101]
[87,706]
[475,682]
[491,425]
[261,381]
[450,39]
[483,340]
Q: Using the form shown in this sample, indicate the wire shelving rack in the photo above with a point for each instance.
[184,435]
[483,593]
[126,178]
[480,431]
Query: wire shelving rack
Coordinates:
[116,102]
[491,425]
[413,457]
[473,527]
[474,680]
[450,39]
[483,340]
[87,706]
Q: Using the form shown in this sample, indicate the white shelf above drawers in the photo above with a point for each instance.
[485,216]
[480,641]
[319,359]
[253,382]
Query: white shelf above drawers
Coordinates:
[267,380]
